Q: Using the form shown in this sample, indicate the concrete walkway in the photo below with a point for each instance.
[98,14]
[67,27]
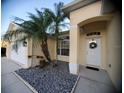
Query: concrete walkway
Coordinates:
[91,81]
[9,82]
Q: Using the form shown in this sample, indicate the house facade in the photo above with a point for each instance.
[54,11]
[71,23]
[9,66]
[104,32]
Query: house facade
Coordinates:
[95,37]
[28,54]
[18,54]
[94,40]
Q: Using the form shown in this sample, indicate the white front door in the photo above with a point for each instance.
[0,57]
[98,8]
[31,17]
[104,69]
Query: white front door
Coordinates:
[93,51]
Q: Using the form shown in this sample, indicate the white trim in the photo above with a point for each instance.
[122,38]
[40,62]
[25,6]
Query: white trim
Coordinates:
[25,82]
[72,91]
[73,68]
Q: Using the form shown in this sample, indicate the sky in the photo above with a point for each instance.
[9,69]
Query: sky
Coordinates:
[20,8]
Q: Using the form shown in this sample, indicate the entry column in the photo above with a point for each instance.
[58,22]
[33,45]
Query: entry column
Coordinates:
[74,49]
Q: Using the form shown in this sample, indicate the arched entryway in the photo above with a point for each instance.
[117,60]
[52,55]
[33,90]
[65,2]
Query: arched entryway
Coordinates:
[93,50]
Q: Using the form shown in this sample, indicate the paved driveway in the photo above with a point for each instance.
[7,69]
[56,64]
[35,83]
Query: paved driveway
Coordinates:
[9,82]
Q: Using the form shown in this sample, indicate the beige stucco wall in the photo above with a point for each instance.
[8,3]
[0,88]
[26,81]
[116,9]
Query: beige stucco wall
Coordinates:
[12,26]
[36,50]
[8,49]
[64,34]
[77,17]
[63,58]
[3,43]
[29,45]
[52,48]
[85,12]
[7,46]
[111,40]
[114,50]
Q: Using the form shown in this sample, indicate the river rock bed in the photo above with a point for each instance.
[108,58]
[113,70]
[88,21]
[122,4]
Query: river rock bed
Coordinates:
[49,79]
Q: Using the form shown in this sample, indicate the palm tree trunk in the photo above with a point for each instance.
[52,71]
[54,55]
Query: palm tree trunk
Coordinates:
[45,50]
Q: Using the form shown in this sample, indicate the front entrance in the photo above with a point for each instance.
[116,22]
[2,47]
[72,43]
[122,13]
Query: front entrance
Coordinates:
[93,56]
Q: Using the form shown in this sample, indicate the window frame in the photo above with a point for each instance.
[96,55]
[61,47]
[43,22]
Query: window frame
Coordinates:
[60,47]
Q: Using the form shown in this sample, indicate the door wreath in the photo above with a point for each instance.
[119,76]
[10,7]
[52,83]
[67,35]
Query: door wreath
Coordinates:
[93,45]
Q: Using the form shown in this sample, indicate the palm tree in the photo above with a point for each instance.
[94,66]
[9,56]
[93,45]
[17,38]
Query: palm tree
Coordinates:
[57,22]
[35,28]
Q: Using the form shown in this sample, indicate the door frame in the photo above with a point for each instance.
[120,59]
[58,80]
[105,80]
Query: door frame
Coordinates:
[89,37]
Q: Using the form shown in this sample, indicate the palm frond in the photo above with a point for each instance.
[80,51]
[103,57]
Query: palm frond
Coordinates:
[40,13]
[17,19]
[58,7]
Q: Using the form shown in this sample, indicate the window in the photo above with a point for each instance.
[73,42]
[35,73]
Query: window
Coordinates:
[63,46]
[93,33]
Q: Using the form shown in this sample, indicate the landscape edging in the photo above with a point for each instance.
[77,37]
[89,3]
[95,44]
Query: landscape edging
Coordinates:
[25,82]
[75,84]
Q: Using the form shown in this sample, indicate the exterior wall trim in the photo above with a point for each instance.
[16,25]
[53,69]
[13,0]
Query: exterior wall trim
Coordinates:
[96,18]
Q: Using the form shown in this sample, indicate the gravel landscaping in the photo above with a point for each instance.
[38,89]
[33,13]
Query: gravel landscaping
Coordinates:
[49,79]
